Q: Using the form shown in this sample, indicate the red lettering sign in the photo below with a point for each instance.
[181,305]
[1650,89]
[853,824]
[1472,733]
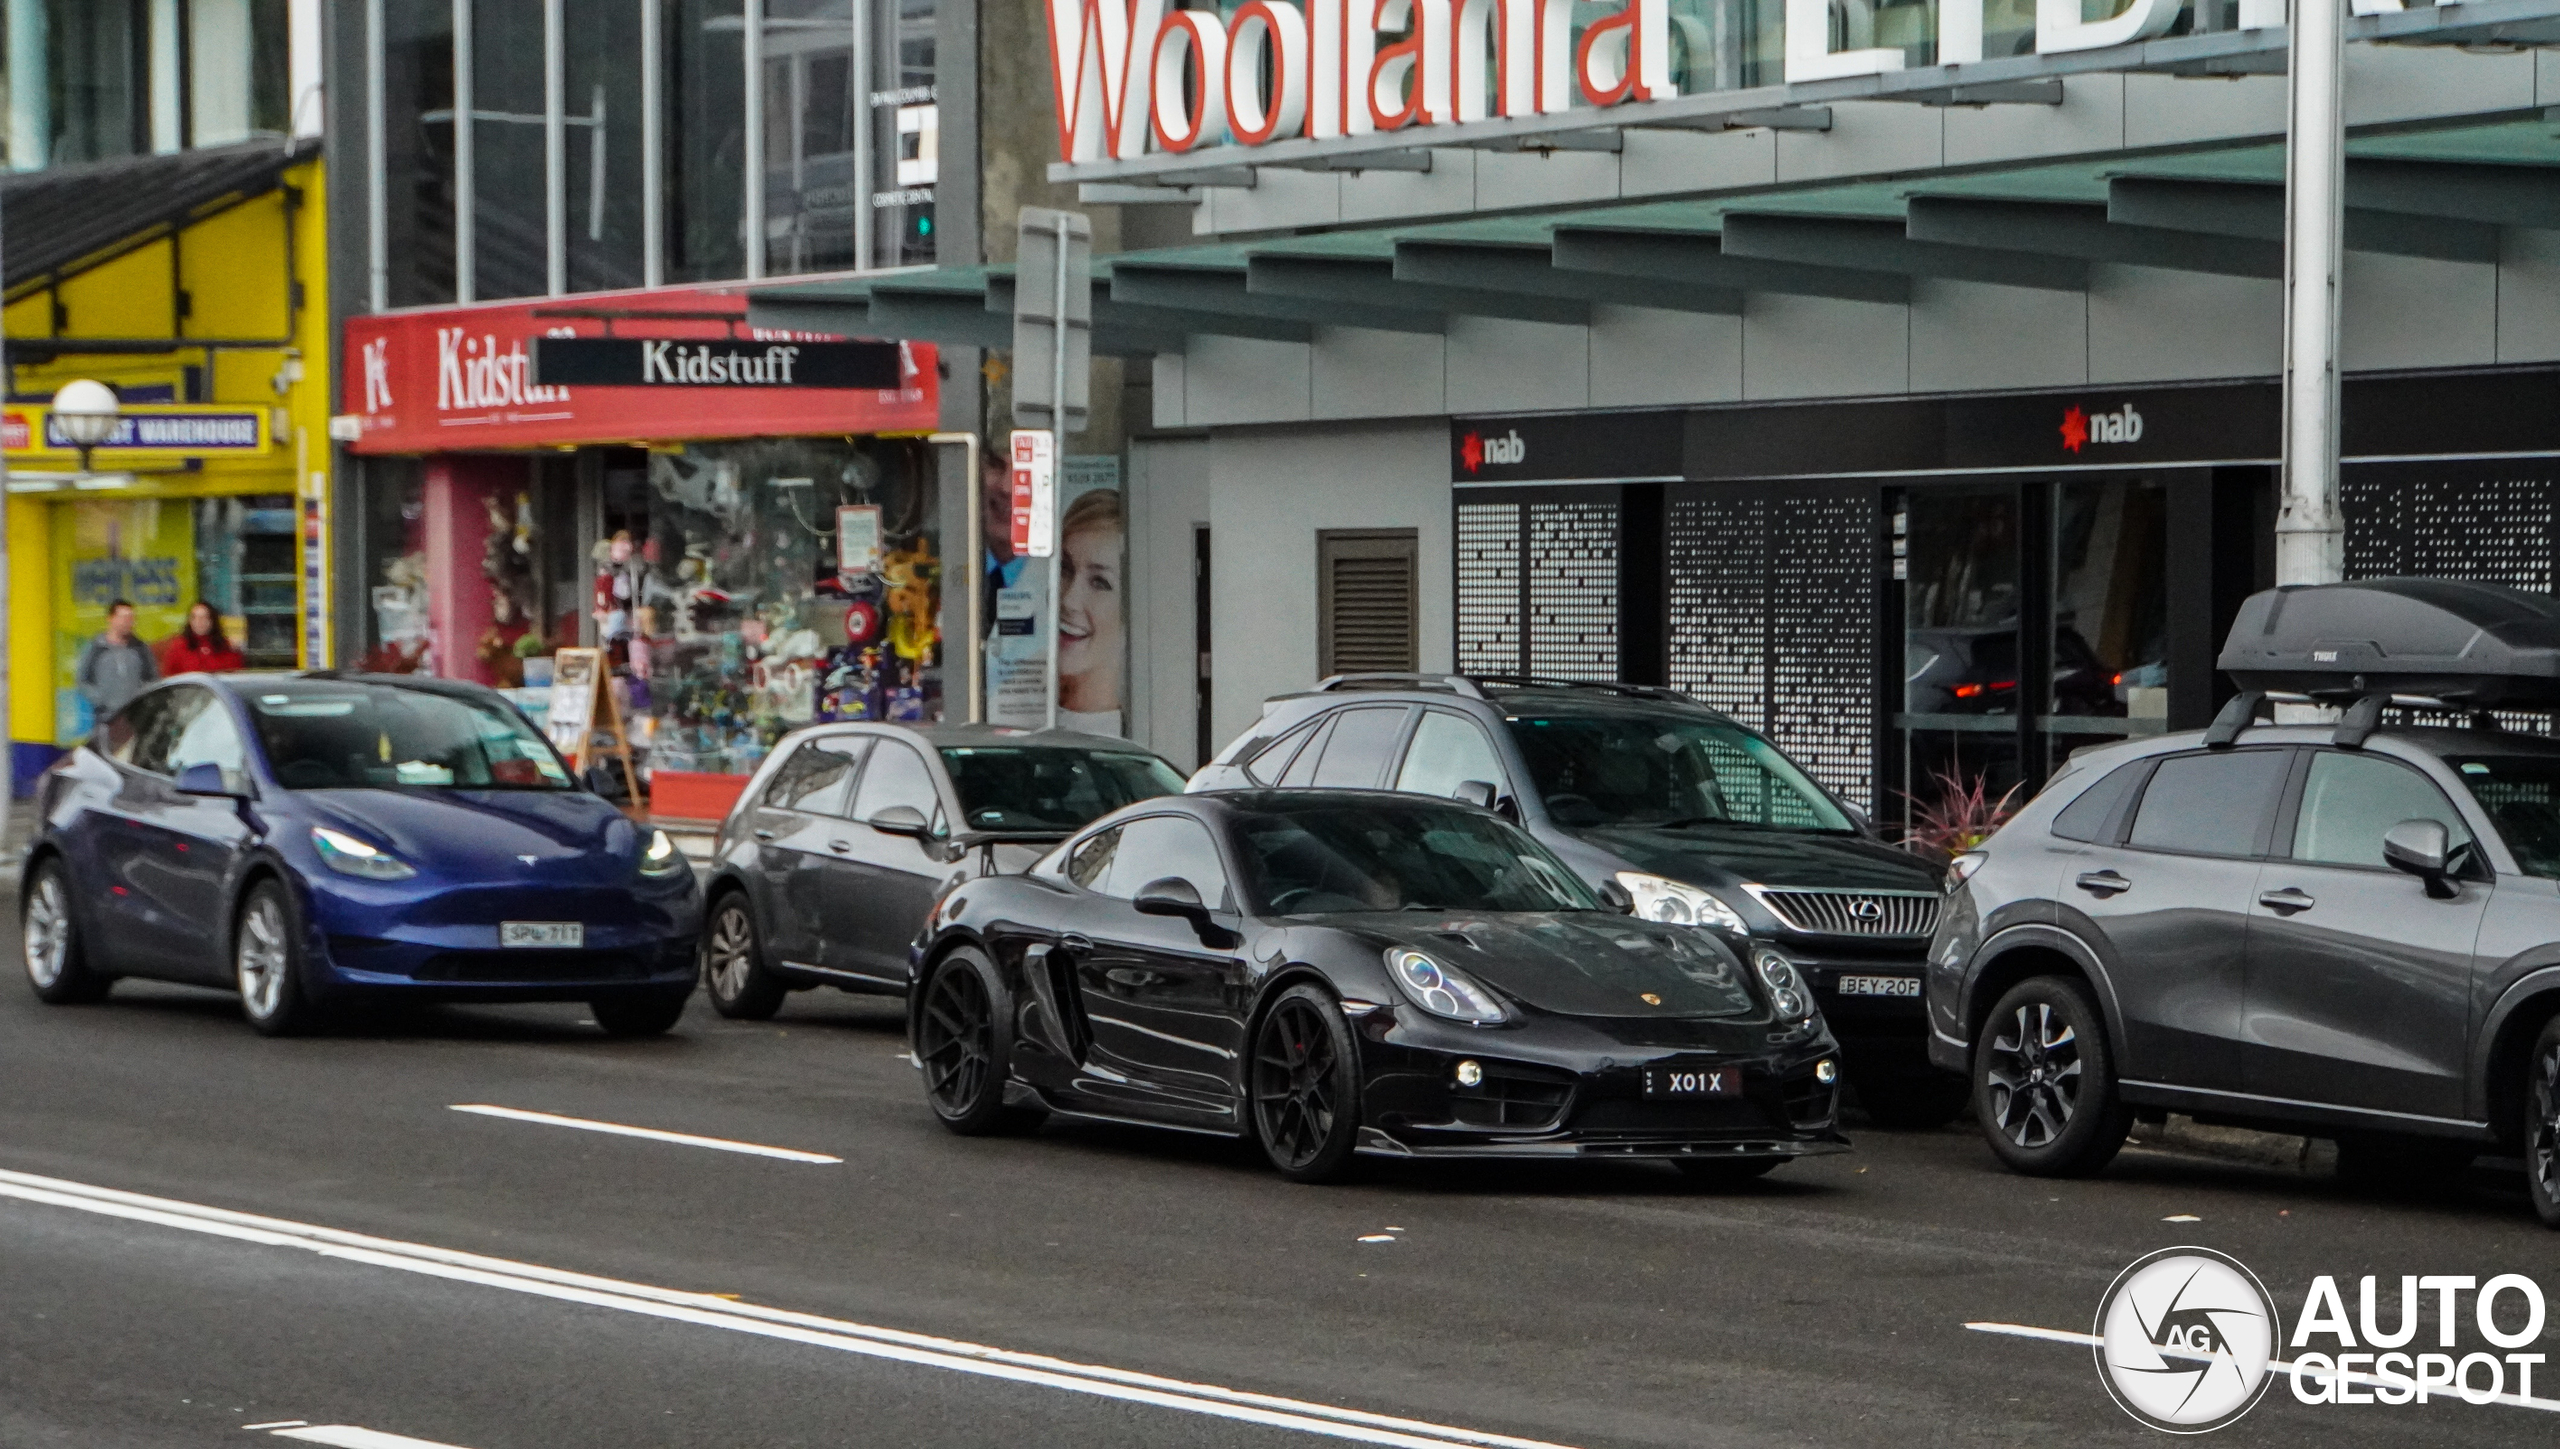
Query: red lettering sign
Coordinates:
[462,377]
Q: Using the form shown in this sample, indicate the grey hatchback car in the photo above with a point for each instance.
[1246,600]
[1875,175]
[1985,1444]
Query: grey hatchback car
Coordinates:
[2337,931]
[831,860]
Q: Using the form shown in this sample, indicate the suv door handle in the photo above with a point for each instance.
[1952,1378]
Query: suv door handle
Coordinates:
[2286,901]
[2103,883]
[767,834]
[1071,942]
[840,847]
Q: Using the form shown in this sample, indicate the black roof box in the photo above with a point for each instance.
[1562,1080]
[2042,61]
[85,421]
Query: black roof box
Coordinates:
[2474,645]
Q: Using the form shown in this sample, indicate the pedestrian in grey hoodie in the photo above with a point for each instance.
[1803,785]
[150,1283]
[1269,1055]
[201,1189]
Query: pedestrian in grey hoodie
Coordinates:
[115,666]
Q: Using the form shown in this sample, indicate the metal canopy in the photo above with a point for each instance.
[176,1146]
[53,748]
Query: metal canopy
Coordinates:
[2441,192]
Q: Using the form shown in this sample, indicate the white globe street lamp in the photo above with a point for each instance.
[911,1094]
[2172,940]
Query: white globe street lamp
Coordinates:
[85,412]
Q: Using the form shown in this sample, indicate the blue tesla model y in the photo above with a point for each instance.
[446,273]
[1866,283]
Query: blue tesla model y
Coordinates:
[310,839]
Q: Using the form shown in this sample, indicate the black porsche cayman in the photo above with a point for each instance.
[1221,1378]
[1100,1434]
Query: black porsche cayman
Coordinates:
[1340,972]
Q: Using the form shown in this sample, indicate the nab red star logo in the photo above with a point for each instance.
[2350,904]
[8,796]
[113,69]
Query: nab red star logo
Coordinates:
[2075,429]
[1471,452]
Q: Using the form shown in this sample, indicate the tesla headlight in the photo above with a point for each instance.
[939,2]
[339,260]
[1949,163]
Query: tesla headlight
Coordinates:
[662,857]
[1787,994]
[1443,990]
[347,855]
[1675,904]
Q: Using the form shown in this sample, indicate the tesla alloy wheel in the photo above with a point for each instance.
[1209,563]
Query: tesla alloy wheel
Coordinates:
[1306,1086]
[733,966]
[964,1042]
[266,956]
[2044,1085]
[2542,1125]
[55,966]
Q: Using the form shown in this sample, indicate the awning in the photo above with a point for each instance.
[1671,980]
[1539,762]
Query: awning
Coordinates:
[2440,194]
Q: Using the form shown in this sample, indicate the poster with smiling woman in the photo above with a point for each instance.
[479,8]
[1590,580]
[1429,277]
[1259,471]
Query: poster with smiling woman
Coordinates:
[1093,639]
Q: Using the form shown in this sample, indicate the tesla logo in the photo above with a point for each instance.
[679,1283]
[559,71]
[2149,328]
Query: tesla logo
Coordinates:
[2124,425]
[527,859]
[1866,911]
[1475,450]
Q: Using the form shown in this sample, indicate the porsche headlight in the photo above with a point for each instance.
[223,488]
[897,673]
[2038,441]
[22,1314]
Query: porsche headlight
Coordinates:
[1443,990]
[1675,904]
[347,855]
[1787,993]
[662,857]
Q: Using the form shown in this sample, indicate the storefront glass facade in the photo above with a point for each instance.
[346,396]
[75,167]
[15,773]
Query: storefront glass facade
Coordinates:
[839,104]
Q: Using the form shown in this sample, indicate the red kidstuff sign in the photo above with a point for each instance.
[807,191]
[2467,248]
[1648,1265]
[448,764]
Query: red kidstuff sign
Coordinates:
[447,378]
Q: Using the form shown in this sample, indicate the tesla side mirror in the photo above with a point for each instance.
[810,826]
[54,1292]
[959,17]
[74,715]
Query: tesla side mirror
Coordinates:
[1479,793]
[1617,898]
[206,779]
[904,820]
[1171,896]
[2423,848]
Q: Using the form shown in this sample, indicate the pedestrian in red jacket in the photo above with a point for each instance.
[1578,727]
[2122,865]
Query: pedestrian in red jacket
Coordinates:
[200,647]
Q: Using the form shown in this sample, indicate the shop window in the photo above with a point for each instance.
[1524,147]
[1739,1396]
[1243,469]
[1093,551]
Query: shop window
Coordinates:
[248,568]
[1366,602]
[2110,640]
[394,564]
[718,591]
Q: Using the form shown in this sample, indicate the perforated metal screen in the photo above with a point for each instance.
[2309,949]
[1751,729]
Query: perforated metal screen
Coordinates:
[1773,599]
[2491,523]
[1538,588]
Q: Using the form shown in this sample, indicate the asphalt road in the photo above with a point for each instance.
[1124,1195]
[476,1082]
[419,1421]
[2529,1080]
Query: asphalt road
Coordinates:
[762,1301]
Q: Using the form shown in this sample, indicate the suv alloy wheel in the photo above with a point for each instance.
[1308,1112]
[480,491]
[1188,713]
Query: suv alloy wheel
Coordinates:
[2044,1082]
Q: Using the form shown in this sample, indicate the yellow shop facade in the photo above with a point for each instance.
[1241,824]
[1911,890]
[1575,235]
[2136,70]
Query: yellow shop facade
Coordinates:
[193,284]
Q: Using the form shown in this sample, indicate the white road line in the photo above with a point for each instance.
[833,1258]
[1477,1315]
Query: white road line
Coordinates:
[277,1424]
[348,1436]
[684,1139]
[2091,1340]
[705,1310]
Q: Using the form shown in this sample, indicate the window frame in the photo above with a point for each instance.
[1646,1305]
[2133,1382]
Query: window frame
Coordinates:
[1502,786]
[1391,760]
[2267,821]
[938,818]
[1228,899]
[2470,859]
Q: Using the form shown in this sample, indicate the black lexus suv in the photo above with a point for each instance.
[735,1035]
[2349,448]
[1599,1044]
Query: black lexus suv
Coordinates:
[1700,820]
[2334,929]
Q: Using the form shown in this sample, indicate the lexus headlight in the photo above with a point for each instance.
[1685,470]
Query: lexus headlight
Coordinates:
[1443,990]
[1672,903]
[662,857]
[1787,994]
[347,855]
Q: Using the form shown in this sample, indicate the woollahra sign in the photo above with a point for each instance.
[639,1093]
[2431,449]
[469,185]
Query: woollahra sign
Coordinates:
[673,362]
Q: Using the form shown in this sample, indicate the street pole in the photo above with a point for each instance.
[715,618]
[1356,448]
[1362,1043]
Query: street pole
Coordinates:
[1058,467]
[2310,535]
[975,653]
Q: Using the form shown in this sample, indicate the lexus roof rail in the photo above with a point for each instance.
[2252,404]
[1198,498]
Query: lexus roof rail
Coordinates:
[1631,691]
[1454,683]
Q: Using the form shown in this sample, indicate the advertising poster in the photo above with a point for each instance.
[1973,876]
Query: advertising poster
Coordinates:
[1093,637]
[141,550]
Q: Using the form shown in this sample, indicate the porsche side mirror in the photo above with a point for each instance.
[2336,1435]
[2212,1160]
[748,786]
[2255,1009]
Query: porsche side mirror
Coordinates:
[2423,848]
[904,820]
[1171,896]
[1479,793]
[1617,898]
[205,778]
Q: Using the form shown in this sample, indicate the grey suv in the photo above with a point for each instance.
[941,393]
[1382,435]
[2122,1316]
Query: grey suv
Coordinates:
[1698,819]
[2334,930]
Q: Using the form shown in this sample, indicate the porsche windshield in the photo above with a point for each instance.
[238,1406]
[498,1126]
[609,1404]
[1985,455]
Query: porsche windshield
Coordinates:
[1393,856]
[1647,769]
[338,735]
[1049,787]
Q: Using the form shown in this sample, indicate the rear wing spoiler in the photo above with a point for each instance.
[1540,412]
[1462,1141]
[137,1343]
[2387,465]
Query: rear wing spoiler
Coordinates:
[986,841]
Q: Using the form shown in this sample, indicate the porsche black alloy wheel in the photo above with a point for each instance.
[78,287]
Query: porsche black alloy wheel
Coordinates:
[2542,1125]
[2044,1084]
[733,966]
[1306,1111]
[964,1042]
